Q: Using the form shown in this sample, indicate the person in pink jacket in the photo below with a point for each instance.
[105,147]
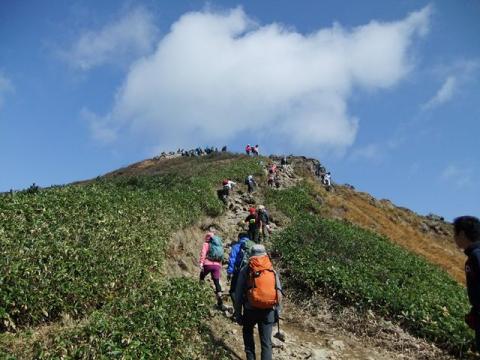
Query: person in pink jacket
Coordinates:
[210,262]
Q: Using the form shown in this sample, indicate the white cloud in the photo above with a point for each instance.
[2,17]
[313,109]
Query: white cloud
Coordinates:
[5,87]
[456,75]
[215,76]
[99,129]
[460,176]
[444,94]
[123,39]
[371,152]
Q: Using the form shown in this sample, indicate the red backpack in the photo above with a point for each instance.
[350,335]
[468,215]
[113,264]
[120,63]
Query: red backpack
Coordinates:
[261,283]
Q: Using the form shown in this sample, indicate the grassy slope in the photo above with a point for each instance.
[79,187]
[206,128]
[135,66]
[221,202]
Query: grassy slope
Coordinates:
[364,269]
[81,263]
[398,224]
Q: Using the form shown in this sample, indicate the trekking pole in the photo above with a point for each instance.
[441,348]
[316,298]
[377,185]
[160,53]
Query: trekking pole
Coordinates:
[279,335]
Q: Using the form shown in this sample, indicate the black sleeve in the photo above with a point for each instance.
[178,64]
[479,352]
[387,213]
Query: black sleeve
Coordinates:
[473,279]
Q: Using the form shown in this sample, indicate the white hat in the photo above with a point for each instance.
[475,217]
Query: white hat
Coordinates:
[258,250]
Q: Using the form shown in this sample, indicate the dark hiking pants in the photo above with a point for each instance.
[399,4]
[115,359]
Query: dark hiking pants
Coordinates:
[254,234]
[265,320]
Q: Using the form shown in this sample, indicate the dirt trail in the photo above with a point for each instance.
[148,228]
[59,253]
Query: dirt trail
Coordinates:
[315,331]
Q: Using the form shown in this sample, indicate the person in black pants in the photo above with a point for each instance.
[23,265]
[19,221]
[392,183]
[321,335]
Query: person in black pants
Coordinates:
[467,237]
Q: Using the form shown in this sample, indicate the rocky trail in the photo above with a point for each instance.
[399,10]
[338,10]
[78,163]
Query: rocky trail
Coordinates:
[314,329]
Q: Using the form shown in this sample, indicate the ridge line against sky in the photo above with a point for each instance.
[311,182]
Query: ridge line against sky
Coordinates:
[384,93]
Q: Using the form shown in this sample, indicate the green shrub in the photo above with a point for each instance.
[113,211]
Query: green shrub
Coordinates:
[154,322]
[84,250]
[362,268]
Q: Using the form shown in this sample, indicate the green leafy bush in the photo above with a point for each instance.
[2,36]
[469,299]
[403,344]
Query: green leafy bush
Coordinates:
[362,268]
[84,250]
[154,322]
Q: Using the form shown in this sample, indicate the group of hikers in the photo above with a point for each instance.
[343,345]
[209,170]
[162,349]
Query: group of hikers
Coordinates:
[252,150]
[324,175]
[255,288]
[200,152]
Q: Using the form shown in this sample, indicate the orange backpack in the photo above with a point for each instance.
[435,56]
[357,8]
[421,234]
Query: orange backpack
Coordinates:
[261,283]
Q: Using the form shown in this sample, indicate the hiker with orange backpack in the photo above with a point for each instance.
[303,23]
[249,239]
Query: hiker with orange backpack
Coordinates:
[258,295]
[211,258]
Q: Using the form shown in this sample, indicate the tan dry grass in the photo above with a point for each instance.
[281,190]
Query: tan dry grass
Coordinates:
[400,225]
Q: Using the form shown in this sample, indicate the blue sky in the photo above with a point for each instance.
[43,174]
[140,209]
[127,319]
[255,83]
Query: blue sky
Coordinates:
[385,93]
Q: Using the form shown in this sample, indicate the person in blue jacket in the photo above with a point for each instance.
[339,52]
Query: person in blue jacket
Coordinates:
[235,260]
[467,237]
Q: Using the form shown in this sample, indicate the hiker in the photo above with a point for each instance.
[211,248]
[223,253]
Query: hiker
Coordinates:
[255,150]
[250,182]
[284,161]
[264,221]
[467,238]
[272,168]
[327,179]
[270,180]
[211,258]
[258,295]
[254,224]
[239,254]
[276,180]
[224,148]
[248,149]
[227,186]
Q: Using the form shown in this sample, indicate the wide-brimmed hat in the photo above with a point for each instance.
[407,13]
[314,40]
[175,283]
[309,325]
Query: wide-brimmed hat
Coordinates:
[258,250]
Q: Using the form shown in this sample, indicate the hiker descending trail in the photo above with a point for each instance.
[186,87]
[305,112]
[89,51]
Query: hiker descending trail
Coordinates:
[317,331]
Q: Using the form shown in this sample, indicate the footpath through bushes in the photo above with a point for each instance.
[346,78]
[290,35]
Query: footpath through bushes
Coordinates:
[361,268]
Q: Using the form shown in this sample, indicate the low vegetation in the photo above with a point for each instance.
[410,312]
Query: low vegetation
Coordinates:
[361,268]
[93,251]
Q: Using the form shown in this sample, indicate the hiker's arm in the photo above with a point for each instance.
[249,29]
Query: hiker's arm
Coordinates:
[232,258]
[474,286]
[239,289]
[278,285]
[203,253]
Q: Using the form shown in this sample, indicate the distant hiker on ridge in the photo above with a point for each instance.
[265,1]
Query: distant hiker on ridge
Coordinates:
[256,150]
[467,238]
[248,149]
[211,258]
[258,296]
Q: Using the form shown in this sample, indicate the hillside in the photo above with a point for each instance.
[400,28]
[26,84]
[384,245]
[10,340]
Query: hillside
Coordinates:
[108,266]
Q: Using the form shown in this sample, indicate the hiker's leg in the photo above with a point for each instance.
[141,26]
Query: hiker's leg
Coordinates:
[216,271]
[256,235]
[265,330]
[477,339]
[247,330]
[233,284]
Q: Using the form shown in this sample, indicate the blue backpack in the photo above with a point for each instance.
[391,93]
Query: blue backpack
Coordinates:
[215,249]
[243,255]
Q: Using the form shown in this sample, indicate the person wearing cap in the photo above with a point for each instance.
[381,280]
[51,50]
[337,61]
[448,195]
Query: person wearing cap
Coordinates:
[254,224]
[212,267]
[265,222]
[248,316]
